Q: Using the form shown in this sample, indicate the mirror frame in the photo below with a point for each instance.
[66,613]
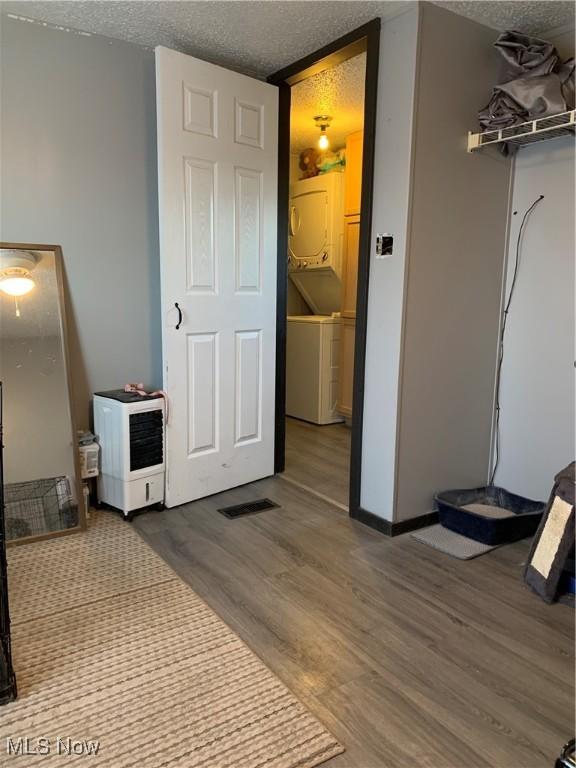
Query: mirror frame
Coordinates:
[59,266]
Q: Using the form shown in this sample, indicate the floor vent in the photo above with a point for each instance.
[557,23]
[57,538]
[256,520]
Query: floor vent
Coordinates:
[248,508]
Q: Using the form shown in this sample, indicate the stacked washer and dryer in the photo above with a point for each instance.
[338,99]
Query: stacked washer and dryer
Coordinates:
[315,267]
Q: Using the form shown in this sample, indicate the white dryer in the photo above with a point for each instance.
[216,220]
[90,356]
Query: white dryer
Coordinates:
[312,350]
[316,236]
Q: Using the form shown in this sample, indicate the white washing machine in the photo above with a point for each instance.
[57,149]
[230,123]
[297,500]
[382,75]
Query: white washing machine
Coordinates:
[316,240]
[312,350]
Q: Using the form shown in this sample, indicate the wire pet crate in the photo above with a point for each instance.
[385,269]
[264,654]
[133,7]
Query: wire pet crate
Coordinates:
[37,507]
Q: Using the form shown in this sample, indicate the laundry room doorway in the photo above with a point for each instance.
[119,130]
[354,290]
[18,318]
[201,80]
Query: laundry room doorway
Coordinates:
[326,157]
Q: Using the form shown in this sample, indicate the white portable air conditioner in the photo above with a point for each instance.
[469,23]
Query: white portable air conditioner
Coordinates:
[130,431]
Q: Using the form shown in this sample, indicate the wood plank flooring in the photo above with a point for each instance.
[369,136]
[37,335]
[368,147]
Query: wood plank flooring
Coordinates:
[319,458]
[410,657]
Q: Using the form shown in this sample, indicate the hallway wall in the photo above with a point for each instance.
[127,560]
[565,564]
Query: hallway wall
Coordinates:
[456,257]
[433,310]
[393,158]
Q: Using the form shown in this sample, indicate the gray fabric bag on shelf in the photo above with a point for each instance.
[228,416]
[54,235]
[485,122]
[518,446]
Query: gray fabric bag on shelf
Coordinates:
[525,55]
[534,83]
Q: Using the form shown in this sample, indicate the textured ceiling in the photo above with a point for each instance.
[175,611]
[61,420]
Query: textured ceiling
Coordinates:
[257,38]
[525,16]
[261,37]
[338,92]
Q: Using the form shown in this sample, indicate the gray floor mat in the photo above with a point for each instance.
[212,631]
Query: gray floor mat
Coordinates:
[451,543]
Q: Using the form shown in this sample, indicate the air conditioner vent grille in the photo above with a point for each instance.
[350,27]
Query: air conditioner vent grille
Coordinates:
[146,443]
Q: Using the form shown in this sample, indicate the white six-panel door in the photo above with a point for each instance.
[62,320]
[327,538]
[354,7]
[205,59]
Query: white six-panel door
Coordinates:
[217,166]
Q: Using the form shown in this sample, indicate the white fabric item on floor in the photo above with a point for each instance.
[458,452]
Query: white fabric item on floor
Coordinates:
[452,543]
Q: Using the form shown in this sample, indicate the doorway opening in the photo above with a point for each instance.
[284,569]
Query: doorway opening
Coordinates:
[326,159]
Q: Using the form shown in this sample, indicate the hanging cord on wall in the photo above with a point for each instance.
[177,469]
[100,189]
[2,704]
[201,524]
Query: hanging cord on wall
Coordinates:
[503,332]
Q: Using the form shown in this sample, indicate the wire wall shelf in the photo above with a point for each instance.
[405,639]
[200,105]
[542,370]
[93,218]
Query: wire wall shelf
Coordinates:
[529,132]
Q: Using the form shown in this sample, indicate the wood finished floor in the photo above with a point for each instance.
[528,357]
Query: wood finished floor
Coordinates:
[411,658]
[319,457]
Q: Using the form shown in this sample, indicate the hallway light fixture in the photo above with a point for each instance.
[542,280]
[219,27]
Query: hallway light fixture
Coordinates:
[16,282]
[323,122]
[15,268]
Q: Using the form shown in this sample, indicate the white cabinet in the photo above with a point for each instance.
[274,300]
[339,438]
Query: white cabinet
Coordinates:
[312,352]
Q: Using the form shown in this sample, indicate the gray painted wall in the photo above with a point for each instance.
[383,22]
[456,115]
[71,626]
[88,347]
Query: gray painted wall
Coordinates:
[537,395]
[456,258]
[78,150]
[434,305]
[563,39]
[396,81]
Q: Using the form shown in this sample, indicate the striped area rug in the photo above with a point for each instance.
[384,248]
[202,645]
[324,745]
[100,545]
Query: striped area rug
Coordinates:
[117,657]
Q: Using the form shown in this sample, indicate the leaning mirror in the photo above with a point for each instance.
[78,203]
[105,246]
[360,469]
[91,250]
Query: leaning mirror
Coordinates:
[42,491]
